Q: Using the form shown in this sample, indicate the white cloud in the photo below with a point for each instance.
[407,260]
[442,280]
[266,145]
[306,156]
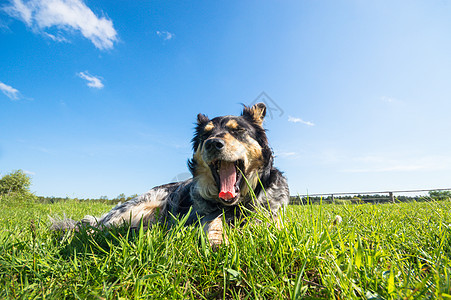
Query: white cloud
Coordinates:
[93,81]
[29,172]
[19,10]
[299,120]
[166,35]
[9,91]
[65,15]
[57,38]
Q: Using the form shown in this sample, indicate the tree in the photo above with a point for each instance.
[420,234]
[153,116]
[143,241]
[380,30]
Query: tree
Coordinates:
[121,197]
[440,195]
[15,182]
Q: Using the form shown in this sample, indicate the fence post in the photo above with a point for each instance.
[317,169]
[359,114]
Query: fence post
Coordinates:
[392,198]
[333,199]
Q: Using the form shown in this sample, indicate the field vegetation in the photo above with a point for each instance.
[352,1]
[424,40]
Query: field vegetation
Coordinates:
[383,251]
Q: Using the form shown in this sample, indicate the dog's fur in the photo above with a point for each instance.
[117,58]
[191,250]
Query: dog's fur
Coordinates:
[217,143]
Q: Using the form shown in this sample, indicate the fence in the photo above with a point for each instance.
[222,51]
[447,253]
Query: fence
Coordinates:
[363,197]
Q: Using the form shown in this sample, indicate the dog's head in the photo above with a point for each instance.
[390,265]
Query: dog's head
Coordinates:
[228,151]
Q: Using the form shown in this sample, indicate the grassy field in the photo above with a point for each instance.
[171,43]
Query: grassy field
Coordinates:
[385,251]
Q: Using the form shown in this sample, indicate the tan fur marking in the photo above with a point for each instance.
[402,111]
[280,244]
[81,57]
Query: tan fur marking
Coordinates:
[209,126]
[232,124]
[231,143]
[253,164]
[255,155]
[258,113]
[206,182]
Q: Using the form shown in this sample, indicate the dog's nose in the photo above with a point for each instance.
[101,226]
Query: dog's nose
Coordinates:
[214,144]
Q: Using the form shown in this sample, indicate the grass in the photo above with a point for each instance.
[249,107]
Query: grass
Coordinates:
[385,251]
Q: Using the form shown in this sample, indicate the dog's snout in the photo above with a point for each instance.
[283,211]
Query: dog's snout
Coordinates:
[214,144]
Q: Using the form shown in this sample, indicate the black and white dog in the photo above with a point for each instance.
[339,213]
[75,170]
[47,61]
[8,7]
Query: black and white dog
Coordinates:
[232,166]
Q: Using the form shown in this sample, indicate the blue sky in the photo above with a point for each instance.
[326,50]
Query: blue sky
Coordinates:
[99,97]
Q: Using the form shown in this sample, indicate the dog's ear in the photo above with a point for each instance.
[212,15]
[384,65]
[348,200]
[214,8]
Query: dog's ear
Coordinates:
[255,113]
[202,119]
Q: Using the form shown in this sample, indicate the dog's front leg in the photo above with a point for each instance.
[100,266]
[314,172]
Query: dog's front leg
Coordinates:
[215,231]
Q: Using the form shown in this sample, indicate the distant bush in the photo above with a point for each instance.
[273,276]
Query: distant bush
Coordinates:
[16,182]
[440,195]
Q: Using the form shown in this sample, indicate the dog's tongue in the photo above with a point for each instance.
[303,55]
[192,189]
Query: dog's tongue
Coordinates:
[227,180]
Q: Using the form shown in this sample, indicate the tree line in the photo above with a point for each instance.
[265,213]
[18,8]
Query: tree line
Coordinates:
[376,198]
[17,183]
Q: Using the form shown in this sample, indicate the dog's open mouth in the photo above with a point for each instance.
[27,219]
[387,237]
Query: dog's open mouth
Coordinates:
[228,177]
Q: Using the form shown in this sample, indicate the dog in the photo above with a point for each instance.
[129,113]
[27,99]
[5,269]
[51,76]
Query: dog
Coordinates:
[232,167]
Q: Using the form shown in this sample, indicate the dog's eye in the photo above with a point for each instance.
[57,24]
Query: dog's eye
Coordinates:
[205,135]
[237,130]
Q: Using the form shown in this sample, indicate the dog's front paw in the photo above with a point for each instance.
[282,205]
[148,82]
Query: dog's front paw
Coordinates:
[216,234]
